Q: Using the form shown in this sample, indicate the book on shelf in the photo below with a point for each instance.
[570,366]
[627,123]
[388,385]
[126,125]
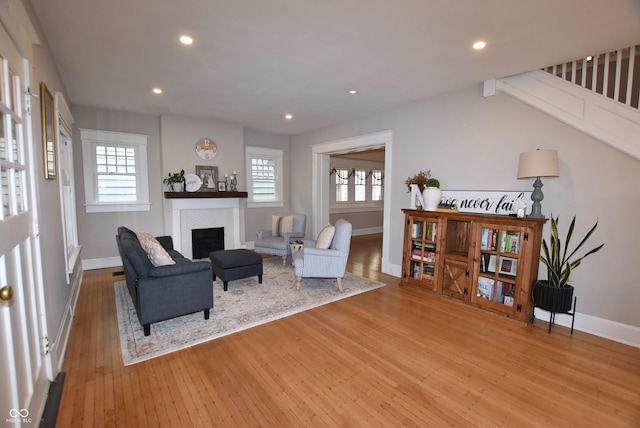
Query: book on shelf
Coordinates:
[508,266]
[510,242]
[428,269]
[416,230]
[489,239]
[431,230]
[485,288]
[505,293]
[415,270]
[487,263]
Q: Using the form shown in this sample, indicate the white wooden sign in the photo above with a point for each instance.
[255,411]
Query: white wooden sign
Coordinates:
[492,202]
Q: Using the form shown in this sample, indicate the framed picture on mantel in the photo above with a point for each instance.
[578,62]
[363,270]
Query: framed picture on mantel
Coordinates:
[209,176]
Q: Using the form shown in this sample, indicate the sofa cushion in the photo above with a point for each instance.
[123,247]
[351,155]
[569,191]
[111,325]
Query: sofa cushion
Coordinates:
[325,237]
[157,255]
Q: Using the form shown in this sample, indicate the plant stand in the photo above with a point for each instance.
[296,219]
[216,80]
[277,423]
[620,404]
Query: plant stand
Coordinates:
[552,315]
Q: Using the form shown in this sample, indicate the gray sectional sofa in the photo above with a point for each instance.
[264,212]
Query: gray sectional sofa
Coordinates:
[164,292]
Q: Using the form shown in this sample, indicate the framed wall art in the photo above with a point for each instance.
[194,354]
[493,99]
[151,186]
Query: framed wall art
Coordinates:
[48,133]
[209,176]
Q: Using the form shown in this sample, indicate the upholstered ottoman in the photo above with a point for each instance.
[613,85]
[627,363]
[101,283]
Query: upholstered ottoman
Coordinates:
[230,265]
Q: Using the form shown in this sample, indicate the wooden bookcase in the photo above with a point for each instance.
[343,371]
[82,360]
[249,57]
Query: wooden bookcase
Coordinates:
[489,261]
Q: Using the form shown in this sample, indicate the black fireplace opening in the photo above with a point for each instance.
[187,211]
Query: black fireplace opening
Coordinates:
[203,241]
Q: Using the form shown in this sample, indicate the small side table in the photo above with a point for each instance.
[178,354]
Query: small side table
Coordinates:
[295,246]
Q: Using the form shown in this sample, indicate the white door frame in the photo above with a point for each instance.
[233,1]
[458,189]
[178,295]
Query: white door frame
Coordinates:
[320,190]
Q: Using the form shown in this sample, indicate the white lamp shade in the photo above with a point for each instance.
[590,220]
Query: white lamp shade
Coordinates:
[538,163]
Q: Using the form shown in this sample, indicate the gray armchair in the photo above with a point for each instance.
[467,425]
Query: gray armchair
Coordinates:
[277,244]
[312,262]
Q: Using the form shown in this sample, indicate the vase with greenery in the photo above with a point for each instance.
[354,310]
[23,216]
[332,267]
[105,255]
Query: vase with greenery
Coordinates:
[554,294]
[432,194]
[175,181]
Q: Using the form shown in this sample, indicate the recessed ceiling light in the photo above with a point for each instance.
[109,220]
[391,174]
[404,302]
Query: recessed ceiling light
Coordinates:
[157,91]
[353,92]
[186,40]
[480,44]
[288,116]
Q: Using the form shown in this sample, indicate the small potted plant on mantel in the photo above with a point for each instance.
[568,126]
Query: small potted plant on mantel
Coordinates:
[175,181]
[555,294]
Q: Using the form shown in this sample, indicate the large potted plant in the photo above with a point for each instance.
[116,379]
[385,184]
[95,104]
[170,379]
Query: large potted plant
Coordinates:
[175,181]
[555,294]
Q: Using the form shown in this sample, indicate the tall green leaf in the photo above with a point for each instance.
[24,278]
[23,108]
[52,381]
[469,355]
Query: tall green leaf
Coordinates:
[554,254]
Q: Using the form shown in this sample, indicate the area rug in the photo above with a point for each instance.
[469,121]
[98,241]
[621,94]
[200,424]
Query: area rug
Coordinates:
[246,304]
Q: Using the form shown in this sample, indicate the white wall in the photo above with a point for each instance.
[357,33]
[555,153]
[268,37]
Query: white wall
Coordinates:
[473,143]
[97,231]
[179,137]
[56,289]
[260,218]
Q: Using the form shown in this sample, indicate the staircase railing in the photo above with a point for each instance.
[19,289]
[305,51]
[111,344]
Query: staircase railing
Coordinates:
[615,75]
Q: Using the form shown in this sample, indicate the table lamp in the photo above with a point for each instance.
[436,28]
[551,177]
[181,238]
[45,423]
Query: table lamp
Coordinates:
[536,164]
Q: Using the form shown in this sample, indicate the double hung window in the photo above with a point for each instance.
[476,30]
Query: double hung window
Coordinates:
[264,177]
[115,171]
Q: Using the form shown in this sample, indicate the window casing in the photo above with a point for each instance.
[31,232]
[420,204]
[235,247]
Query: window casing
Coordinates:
[376,184]
[264,177]
[67,184]
[356,185]
[115,171]
[342,185]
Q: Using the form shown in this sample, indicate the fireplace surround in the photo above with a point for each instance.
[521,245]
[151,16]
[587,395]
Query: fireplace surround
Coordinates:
[184,213]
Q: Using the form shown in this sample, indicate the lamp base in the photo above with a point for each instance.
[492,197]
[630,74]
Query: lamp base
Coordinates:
[536,197]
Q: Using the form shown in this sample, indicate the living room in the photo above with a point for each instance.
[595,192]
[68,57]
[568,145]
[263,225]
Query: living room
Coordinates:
[468,141]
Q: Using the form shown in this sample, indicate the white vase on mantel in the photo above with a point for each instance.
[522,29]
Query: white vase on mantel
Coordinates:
[178,187]
[431,196]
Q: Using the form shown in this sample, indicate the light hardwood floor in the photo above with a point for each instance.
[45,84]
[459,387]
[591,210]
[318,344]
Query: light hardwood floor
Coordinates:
[395,356]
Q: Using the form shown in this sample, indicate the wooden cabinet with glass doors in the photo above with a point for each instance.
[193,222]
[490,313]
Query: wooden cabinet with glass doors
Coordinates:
[489,261]
[421,252]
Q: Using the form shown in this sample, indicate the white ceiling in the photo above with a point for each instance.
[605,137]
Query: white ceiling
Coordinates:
[255,60]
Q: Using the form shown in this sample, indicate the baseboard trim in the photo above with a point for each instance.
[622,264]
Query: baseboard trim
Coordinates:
[623,333]
[366,231]
[58,347]
[107,262]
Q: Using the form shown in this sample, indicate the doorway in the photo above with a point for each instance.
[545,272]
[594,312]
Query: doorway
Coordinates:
[321,166]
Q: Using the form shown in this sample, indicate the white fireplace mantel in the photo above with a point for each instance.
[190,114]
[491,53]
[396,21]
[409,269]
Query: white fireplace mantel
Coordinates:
[185,213]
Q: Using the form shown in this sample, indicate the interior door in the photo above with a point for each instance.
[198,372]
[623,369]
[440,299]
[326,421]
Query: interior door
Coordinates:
[23,380]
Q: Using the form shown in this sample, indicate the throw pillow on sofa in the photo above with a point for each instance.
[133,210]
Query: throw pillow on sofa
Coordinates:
[325,237]
[281,225]
[157,255]
[286,225]
[275,225]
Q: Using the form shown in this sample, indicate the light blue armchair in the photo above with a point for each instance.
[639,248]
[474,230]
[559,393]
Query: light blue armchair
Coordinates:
[277,244]
[312,262]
